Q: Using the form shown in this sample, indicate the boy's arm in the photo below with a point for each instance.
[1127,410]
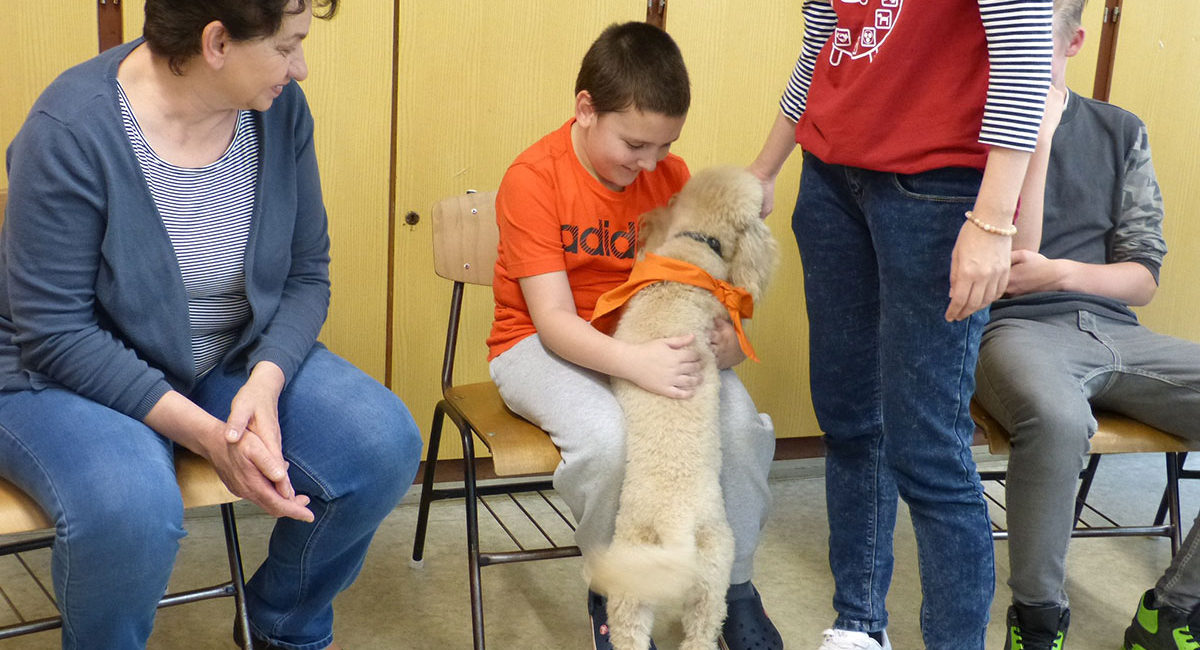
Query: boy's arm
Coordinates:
[1137,245]
[669,367]
[1129,282]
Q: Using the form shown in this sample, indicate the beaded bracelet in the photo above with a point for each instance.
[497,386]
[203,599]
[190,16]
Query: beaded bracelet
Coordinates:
[987,227]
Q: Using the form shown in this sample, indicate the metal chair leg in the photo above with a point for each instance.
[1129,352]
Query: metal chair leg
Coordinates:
[476,584]
[1085,486]
[431,457]
[237,576]
[1172,496]
[1161,515]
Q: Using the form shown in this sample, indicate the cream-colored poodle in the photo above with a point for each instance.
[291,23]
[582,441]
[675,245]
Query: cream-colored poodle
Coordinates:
[673,544]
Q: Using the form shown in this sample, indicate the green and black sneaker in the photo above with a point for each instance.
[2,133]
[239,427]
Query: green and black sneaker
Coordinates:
[1161,628]
[1037,627]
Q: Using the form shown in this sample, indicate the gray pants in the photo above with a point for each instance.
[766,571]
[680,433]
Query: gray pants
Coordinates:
[1037,378]
[577,408]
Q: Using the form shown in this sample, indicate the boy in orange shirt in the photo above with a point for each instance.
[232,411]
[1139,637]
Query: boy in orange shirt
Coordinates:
[568,210]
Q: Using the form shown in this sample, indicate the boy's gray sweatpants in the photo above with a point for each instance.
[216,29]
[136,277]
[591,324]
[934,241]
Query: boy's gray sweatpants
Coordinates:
[1036,377]
[577,408]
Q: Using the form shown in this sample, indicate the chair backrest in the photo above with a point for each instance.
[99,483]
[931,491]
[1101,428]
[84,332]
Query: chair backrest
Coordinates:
[465,237]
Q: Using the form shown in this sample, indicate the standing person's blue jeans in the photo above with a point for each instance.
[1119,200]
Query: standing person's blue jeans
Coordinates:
[108,483]
[891,384]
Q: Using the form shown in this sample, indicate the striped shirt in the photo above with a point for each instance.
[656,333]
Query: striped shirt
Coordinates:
[1018,53]
[206,212]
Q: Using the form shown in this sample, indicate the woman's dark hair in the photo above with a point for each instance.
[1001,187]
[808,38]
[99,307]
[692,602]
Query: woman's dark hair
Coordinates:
[635,65]
[173,27]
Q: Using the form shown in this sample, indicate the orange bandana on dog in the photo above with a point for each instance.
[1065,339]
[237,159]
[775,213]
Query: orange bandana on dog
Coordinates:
[654,269]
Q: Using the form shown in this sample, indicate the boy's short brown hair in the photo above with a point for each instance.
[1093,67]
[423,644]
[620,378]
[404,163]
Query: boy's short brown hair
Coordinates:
[635,65]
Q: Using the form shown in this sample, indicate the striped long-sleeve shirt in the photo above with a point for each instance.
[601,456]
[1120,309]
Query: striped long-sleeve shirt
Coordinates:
[917,78]
[206,212]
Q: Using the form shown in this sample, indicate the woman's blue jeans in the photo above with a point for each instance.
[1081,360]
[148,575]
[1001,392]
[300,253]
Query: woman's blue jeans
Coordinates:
[108,483]
[891,384]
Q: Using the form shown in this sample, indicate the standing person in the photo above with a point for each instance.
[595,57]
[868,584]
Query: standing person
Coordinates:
[1064,339]
[568,211]
[914,156]
[165,276]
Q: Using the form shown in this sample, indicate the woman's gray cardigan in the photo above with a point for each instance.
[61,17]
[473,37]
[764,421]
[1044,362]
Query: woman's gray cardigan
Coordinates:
[91,297]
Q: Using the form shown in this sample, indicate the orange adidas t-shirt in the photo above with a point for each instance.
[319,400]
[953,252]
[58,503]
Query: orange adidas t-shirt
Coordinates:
[555,216]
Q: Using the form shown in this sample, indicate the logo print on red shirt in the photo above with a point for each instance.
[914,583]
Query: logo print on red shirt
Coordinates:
[875,19]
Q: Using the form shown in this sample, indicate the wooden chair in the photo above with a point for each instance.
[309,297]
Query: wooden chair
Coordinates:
[1116,434]
[464,251]
[198,484]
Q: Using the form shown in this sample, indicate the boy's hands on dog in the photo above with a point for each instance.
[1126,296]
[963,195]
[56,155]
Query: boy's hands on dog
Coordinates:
[669,367]
[725,345]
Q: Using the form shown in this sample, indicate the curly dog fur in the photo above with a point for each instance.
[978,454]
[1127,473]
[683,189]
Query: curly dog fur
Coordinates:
[673,543]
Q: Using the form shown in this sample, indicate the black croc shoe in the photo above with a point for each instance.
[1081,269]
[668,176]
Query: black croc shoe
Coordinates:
[598,612]
[747,626]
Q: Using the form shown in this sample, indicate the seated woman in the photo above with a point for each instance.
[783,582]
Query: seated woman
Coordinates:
[163,279]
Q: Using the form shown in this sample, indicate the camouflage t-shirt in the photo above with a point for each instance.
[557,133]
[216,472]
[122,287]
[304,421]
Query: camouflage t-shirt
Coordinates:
[1103,205]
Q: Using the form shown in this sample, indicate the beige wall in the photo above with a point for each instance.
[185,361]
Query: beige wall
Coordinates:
[1156,77]
[38,40]
[476,82]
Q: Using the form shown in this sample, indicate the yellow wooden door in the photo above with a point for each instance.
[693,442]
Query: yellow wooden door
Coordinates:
[1156,77]
[39,40]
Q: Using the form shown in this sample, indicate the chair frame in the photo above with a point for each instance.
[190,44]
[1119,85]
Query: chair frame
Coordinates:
[234,587]
[1172,447]
[1165,504]
[474,267]
[1171,529]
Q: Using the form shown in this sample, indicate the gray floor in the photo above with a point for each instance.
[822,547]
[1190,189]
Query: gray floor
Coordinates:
[541,604]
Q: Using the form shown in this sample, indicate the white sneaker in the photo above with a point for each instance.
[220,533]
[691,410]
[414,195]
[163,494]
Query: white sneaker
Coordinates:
[847,640]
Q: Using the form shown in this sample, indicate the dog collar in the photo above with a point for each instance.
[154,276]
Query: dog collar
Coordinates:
[713,242]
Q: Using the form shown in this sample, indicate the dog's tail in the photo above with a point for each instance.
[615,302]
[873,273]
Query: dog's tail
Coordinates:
[660,575]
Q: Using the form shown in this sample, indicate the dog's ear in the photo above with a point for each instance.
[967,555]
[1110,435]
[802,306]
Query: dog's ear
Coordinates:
[754,258]
[652,229]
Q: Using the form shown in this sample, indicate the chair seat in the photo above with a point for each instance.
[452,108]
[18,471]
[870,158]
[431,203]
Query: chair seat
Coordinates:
[18,512]
[518,448]
[1115,434]
[199,485]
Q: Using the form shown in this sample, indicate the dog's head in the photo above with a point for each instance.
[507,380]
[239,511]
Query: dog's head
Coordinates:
[714,223]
